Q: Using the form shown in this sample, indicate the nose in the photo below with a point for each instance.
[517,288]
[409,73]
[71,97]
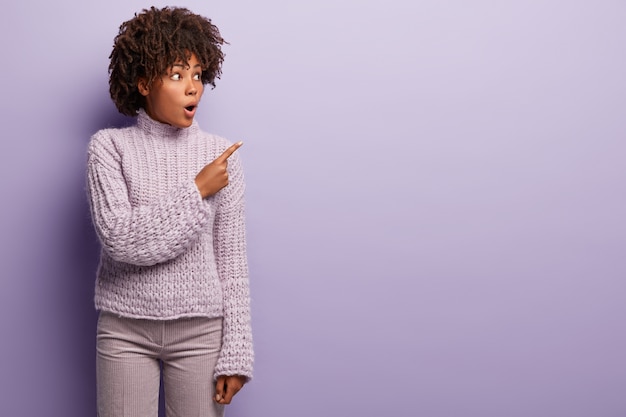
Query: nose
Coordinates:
[192,89]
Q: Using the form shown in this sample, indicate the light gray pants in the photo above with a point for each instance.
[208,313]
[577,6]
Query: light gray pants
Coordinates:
[128,364]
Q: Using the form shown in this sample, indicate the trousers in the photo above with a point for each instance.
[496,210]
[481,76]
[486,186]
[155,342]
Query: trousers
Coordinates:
[134,354]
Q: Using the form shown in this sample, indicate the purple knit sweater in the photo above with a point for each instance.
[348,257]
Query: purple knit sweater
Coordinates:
[166,252]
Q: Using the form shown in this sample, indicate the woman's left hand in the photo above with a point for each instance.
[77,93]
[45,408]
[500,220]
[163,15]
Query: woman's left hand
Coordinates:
[227,386]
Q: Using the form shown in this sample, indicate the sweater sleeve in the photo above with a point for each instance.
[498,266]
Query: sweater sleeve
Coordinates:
[236,356]
[145,234]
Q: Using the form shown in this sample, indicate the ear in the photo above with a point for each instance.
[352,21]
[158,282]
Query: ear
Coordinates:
[142,86]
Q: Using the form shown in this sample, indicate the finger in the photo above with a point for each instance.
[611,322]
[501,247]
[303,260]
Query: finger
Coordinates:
[231,390]
[219,389]
[227,397]
[228,152]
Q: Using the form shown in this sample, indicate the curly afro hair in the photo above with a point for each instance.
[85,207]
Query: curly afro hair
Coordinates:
[154,40]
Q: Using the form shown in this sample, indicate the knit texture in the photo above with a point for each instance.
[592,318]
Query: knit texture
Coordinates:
[166,252]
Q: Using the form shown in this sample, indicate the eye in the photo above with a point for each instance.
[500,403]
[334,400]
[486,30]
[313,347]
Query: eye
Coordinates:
[175,77]
[197,77]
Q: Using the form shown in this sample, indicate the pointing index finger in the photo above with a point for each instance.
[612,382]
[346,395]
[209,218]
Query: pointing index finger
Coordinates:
[230,150]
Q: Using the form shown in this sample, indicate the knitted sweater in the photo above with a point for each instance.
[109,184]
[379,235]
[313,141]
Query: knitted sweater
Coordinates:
[166,252]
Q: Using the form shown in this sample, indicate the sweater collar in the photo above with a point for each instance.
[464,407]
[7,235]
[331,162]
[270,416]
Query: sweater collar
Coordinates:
[154,128]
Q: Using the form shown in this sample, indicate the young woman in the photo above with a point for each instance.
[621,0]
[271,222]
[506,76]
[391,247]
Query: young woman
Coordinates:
[167,202]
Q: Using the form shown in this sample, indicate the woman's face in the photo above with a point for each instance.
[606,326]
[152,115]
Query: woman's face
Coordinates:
[174,98]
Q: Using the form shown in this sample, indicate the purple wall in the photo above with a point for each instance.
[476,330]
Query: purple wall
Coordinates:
[436,203]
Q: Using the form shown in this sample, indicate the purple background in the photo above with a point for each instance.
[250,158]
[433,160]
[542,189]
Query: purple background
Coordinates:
[435,203]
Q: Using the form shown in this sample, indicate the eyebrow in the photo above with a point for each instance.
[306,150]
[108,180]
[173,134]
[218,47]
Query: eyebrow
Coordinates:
[184,66]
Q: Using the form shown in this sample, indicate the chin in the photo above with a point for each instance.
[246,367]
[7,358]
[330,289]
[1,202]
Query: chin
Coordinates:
[184,125]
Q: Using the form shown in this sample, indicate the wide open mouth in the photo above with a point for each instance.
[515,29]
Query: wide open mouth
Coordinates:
[190,108]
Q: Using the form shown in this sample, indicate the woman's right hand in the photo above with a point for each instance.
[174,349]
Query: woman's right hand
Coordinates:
[214,176]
